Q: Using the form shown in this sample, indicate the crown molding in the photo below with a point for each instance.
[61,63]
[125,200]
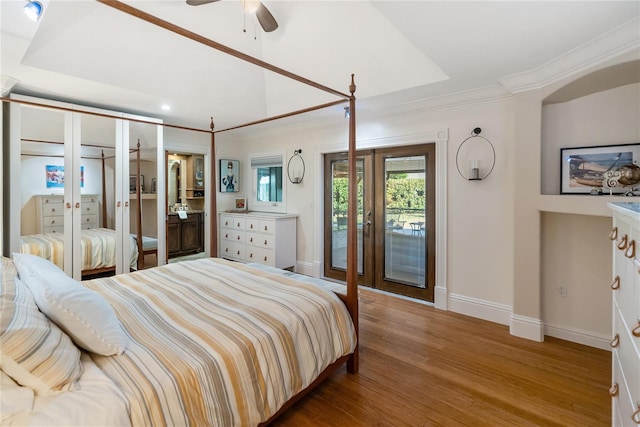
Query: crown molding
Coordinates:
[620,41]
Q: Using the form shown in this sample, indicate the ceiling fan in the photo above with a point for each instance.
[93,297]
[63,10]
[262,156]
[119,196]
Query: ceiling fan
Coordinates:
[265,18]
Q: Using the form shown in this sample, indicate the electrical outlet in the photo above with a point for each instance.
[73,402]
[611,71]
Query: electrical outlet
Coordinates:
[562,291]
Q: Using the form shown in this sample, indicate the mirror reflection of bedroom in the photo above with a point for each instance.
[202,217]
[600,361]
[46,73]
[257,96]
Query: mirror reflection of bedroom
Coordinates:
[185,206]
[64,154]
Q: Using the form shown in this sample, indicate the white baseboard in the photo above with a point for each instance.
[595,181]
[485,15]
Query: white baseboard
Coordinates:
[480,309]
[526,327]
[578,336]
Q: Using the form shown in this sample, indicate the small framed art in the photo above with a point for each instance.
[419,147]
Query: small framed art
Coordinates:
[584,168]
[240,203]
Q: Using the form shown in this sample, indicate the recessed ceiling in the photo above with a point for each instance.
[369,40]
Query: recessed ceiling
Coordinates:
[399,51]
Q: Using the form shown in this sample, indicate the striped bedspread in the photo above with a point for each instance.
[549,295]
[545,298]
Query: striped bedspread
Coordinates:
[218,343]
[98,248]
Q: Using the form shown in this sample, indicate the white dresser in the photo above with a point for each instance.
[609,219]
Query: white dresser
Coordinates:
[50,213]
[264,238]
[625,342]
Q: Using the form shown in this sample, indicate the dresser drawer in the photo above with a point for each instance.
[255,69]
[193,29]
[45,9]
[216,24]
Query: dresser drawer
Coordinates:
[226,221]
[260,225]
[52,221]
[47,200]
[89,208]
[622,402]
[52,209]
[260,240]
[628,353]
[232,250]
[261,256]
[53,229]
[89,221]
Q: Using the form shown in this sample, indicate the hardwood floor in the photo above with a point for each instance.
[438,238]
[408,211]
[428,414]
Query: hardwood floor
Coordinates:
[420,366]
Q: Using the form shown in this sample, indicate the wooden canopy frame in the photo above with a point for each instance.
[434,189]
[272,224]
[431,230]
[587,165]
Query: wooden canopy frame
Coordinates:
[351,298]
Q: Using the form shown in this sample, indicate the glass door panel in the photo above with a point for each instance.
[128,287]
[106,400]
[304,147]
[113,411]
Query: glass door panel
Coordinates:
[405,214]
[336,217]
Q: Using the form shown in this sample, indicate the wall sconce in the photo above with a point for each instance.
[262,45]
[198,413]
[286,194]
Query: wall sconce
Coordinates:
[296,167]
[478,152]
[33,9]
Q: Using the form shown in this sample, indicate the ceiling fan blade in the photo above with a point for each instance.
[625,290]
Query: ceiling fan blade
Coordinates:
[199,2]
[266,19]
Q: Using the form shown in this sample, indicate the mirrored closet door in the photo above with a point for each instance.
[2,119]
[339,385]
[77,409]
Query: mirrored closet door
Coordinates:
[70,185]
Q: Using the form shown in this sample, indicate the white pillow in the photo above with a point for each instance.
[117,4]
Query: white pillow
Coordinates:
[82,313]
[33,351]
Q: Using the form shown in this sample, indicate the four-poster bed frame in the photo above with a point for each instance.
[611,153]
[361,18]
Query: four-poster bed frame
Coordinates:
[351,298]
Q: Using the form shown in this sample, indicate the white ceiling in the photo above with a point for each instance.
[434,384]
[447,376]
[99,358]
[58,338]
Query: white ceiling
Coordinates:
[401,52]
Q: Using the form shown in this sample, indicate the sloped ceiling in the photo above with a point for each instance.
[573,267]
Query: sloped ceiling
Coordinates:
[400,52]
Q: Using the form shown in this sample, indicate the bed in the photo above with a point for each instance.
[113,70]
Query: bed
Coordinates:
[209,316]
[98,249]
[208,342]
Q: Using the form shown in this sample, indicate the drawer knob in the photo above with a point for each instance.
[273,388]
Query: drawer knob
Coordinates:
[53,221]
[265,258]
[53,209]
[226,250]
[265,242]
[238,252]
[226,223]
[614,234]
[226,236]
[615,342]
[616,283]
[251,255]
[613,391]
[77,205]
[68,205]
[623,243]
[635,417]
[251,226]
[636,331]
[251,239]
[88,209]
[88,219]
[631,250]
[266,228]
[238,225]
[238,238]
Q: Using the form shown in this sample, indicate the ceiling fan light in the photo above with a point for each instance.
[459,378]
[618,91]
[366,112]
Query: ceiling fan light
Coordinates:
[251,6]
[33,9]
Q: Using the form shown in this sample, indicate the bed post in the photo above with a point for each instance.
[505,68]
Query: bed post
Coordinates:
[352,231]
[104,193]
[213,210]
[139,215]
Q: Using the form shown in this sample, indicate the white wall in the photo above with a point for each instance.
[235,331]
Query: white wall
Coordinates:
[480,228]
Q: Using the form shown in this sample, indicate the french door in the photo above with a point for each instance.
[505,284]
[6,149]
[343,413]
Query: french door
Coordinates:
[396,219]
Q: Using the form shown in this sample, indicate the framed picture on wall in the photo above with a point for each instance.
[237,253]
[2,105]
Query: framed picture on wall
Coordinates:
[585,168]
[55,176]
[229,172]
